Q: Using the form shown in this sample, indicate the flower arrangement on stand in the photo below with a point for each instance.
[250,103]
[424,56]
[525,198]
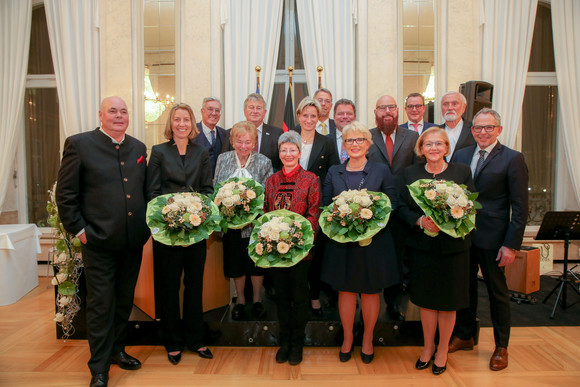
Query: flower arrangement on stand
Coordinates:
[451,206]
[355,216]
[240,200]
[182,219]
[67,267]
[280,238]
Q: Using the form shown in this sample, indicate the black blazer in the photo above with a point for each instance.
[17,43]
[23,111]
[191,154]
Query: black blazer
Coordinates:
[269,145]
[502,184]
[465,138]
[101,188]
[166,173]
[222,136]
[322,156]
[403,149]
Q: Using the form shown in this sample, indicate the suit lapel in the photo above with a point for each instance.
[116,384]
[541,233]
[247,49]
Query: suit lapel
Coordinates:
[265,138]
[316,149]
[494,153]
[465,131]
[400,136]
[380,143]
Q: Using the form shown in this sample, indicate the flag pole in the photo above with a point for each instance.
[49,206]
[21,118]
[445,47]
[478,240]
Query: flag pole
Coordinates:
[319,69]
[258,69]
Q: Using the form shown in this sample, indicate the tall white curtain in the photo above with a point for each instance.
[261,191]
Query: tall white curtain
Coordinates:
[566,30]
[327,35]
[15,21]
[74,42]
[507,40]
[251,38]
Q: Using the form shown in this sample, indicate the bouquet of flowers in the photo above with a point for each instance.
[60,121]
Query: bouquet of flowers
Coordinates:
[182,219]
[67,266]
[280,238]
[240,200]
[355,216]
[451,206]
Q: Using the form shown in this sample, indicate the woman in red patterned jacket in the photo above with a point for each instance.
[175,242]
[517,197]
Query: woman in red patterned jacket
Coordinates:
[294,189]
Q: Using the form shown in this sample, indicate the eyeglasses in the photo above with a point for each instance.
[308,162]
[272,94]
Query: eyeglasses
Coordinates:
[358,140]
[213,110]
[487,128]
[414,107]
[438,144]
[385,107]
[324,101]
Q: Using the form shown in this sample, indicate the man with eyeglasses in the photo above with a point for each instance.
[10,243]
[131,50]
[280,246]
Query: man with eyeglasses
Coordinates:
[344,114]
[325,125]
[213,138]
[453,106]
[500,176]
[393,145]
[415,109]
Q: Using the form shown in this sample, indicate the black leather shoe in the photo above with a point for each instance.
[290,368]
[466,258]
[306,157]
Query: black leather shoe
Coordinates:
[125,361]
[394,313]
[367,358]
[206,353]
[258,310]
[174,359]
[283,354]
[295,356]
[239,312]
[421,365]
[345,356]
[99,380]
[438,370]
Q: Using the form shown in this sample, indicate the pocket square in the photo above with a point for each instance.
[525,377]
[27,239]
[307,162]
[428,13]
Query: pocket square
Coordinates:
[140,160]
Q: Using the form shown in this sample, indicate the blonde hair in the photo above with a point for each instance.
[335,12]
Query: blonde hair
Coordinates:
[307,101]
[358,127]
[432,130]
[242,128]
[168,132]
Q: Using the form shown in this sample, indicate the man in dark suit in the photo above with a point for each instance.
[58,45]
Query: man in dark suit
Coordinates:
[212,137]
[344,114]
[415,109]
[326,125]
[394,146]
[255,112]
[453,106]
[101,198]
[500,176]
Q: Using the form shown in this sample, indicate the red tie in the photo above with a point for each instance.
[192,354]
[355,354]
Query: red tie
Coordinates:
[389,145]
[416,126]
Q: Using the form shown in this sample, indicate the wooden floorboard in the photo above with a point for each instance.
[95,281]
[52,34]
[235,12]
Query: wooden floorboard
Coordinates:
[31,355]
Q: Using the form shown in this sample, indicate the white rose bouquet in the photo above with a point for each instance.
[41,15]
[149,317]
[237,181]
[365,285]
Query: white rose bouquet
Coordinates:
[280,238]
[451,206]
[240,200]
[355,216]
[182,219]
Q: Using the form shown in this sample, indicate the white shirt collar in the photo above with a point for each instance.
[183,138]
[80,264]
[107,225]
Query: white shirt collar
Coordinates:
[112,139]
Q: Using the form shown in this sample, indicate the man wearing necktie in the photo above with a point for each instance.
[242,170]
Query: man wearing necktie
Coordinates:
[500,176]
[415,109]
[214,138]
[344,114]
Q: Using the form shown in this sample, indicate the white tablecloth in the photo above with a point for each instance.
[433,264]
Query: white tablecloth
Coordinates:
[19,244]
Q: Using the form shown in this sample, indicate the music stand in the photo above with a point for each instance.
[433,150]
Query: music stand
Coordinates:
[561,225]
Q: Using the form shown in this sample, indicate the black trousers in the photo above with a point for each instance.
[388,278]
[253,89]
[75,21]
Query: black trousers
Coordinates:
[291,285]
[497,290]
[170,263]
[111,276]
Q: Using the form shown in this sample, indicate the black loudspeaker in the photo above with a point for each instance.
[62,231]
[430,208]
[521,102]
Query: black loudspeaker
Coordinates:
[479,95]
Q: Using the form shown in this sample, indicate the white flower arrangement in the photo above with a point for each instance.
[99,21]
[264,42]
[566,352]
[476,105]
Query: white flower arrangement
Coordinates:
[240,200]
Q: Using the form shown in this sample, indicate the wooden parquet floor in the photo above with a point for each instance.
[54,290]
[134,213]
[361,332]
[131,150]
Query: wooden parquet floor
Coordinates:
[30,355]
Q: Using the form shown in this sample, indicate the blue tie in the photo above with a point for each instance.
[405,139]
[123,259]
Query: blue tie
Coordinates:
[212,136]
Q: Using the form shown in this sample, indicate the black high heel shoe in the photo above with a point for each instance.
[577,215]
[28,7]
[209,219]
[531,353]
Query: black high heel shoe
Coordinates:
[174,359]
[367,358]
[438,370]
[421,365]
[345,356]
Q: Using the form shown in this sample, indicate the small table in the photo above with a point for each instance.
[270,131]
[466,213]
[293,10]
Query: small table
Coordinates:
[19,245]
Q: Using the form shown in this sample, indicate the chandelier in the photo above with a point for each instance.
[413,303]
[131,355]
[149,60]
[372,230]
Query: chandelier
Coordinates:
[154,106]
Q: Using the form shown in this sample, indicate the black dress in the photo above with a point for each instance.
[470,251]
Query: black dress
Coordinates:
[439,266]
[348,267]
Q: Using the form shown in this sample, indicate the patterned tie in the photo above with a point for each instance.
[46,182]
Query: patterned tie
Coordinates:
[323,131]
[389,145]
[212,136]
[343,154]
[416,126]
[479,162]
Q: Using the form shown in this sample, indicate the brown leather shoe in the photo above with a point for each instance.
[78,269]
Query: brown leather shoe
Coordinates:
[499,359]
[457,344]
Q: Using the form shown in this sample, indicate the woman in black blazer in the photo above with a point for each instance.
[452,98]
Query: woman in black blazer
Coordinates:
[348,267]
[318,155]
[179,165]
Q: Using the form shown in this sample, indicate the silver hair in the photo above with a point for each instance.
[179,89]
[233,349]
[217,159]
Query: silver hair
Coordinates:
[254,97]
[210,99]
[495,115]
[461,96]
[322,89]
[292,137]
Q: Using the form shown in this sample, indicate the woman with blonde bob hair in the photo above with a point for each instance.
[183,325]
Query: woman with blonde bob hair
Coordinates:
[352,269]
[180,165]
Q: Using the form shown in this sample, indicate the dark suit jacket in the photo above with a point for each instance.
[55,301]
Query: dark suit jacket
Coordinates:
[221,134]
[322,156]
[426,125]
[101,188]
[403,149]
[166,173]
[465,138]
[269,145]
[502,184]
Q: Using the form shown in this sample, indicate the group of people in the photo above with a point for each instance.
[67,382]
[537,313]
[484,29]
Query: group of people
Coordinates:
[105,182]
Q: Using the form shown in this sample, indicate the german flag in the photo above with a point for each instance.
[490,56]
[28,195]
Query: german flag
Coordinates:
[288,123]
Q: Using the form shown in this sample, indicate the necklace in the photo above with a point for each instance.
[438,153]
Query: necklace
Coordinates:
[306,142]
[351,169]
[436,173]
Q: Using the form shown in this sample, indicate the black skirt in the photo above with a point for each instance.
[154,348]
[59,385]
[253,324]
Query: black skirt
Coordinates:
[237,262]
